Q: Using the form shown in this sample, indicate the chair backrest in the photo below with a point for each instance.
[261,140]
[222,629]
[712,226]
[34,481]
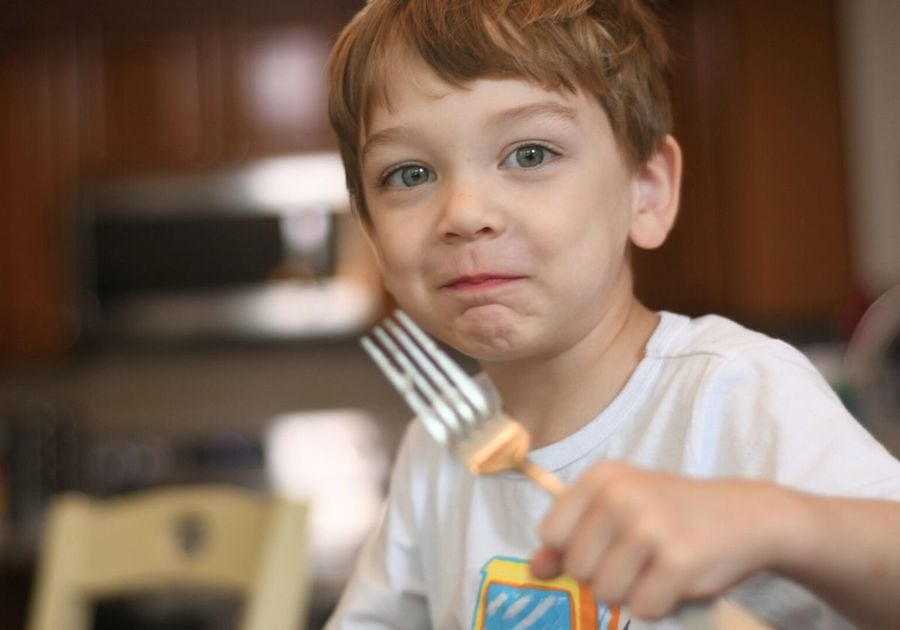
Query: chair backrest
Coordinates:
[220,537]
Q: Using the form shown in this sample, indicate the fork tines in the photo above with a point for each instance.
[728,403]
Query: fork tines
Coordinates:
[448,401]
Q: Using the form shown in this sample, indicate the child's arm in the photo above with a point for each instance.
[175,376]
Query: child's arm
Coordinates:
[848,552]
[651,540]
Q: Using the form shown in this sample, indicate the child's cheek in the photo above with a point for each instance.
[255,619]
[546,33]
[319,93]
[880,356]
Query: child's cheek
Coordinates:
[399,269]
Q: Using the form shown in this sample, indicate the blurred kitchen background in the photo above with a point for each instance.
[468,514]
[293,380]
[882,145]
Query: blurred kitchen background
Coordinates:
[182,287]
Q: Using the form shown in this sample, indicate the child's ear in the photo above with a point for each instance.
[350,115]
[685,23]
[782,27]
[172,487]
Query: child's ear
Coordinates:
[658,185]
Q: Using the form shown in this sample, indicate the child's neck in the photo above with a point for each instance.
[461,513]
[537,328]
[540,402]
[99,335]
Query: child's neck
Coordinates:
[556,397]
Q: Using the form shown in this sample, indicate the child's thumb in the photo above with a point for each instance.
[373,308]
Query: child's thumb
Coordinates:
[546,564]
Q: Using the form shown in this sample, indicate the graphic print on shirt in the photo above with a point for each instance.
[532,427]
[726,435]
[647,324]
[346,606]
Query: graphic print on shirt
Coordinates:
[510,598]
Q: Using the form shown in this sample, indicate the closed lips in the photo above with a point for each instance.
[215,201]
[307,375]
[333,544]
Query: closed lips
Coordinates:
[481,280]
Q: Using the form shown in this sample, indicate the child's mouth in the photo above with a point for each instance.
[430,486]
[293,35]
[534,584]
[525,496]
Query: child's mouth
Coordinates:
[481,282]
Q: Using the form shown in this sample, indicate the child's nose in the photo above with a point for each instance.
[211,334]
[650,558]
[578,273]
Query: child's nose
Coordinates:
[469,213]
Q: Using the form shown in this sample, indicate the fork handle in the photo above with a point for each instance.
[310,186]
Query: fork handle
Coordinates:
[542,477]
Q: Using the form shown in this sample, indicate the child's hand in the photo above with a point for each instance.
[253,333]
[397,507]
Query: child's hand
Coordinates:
[650,540]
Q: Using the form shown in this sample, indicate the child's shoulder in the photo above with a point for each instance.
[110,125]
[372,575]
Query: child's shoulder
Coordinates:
[715,336]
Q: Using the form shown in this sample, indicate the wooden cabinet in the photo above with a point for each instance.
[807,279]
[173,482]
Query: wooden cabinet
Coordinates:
[39,154]
[763,232]
[214,94]
[159,99]
[278,91]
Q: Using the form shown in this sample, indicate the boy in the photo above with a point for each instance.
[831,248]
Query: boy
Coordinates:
[503,156]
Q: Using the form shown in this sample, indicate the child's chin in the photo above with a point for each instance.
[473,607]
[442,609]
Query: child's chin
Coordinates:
[485,333]
[489,340]
[486,357]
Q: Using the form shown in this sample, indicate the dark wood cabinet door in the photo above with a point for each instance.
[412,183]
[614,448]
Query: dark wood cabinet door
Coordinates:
[39,153]
[275,90]
[161,100]
[763,234]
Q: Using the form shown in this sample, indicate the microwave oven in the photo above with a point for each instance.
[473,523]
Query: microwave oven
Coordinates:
[249,253]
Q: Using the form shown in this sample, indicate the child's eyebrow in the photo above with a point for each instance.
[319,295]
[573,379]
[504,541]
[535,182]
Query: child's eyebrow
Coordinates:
[542,109]
[385,136]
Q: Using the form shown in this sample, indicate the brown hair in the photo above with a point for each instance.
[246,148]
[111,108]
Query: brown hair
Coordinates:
[613,49]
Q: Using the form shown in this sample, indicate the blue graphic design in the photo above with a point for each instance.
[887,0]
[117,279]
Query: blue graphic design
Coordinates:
[518,608]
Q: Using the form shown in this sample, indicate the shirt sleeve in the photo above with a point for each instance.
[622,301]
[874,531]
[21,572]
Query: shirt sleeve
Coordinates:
[387,588]
[767,413]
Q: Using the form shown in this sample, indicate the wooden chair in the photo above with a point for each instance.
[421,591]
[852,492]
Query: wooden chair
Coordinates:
[212,536]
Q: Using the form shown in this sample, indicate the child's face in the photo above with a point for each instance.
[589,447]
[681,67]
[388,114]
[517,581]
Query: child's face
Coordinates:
[500,213]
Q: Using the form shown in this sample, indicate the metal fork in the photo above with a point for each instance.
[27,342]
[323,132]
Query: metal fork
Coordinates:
[452,405]
[458,413]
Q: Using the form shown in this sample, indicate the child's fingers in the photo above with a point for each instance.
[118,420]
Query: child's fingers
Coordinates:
[656,592]
[587,545]
[561,521]
[615,576]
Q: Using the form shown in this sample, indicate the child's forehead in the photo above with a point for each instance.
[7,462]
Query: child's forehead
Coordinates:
[408,76]
[414,78]
[413,81]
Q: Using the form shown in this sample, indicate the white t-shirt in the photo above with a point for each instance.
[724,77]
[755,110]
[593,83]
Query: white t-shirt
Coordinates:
[710,399]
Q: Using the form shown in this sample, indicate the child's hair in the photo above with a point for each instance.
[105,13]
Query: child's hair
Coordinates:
[612,49]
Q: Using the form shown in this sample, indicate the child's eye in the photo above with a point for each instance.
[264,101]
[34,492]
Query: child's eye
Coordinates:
[408,176]
[529,156]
